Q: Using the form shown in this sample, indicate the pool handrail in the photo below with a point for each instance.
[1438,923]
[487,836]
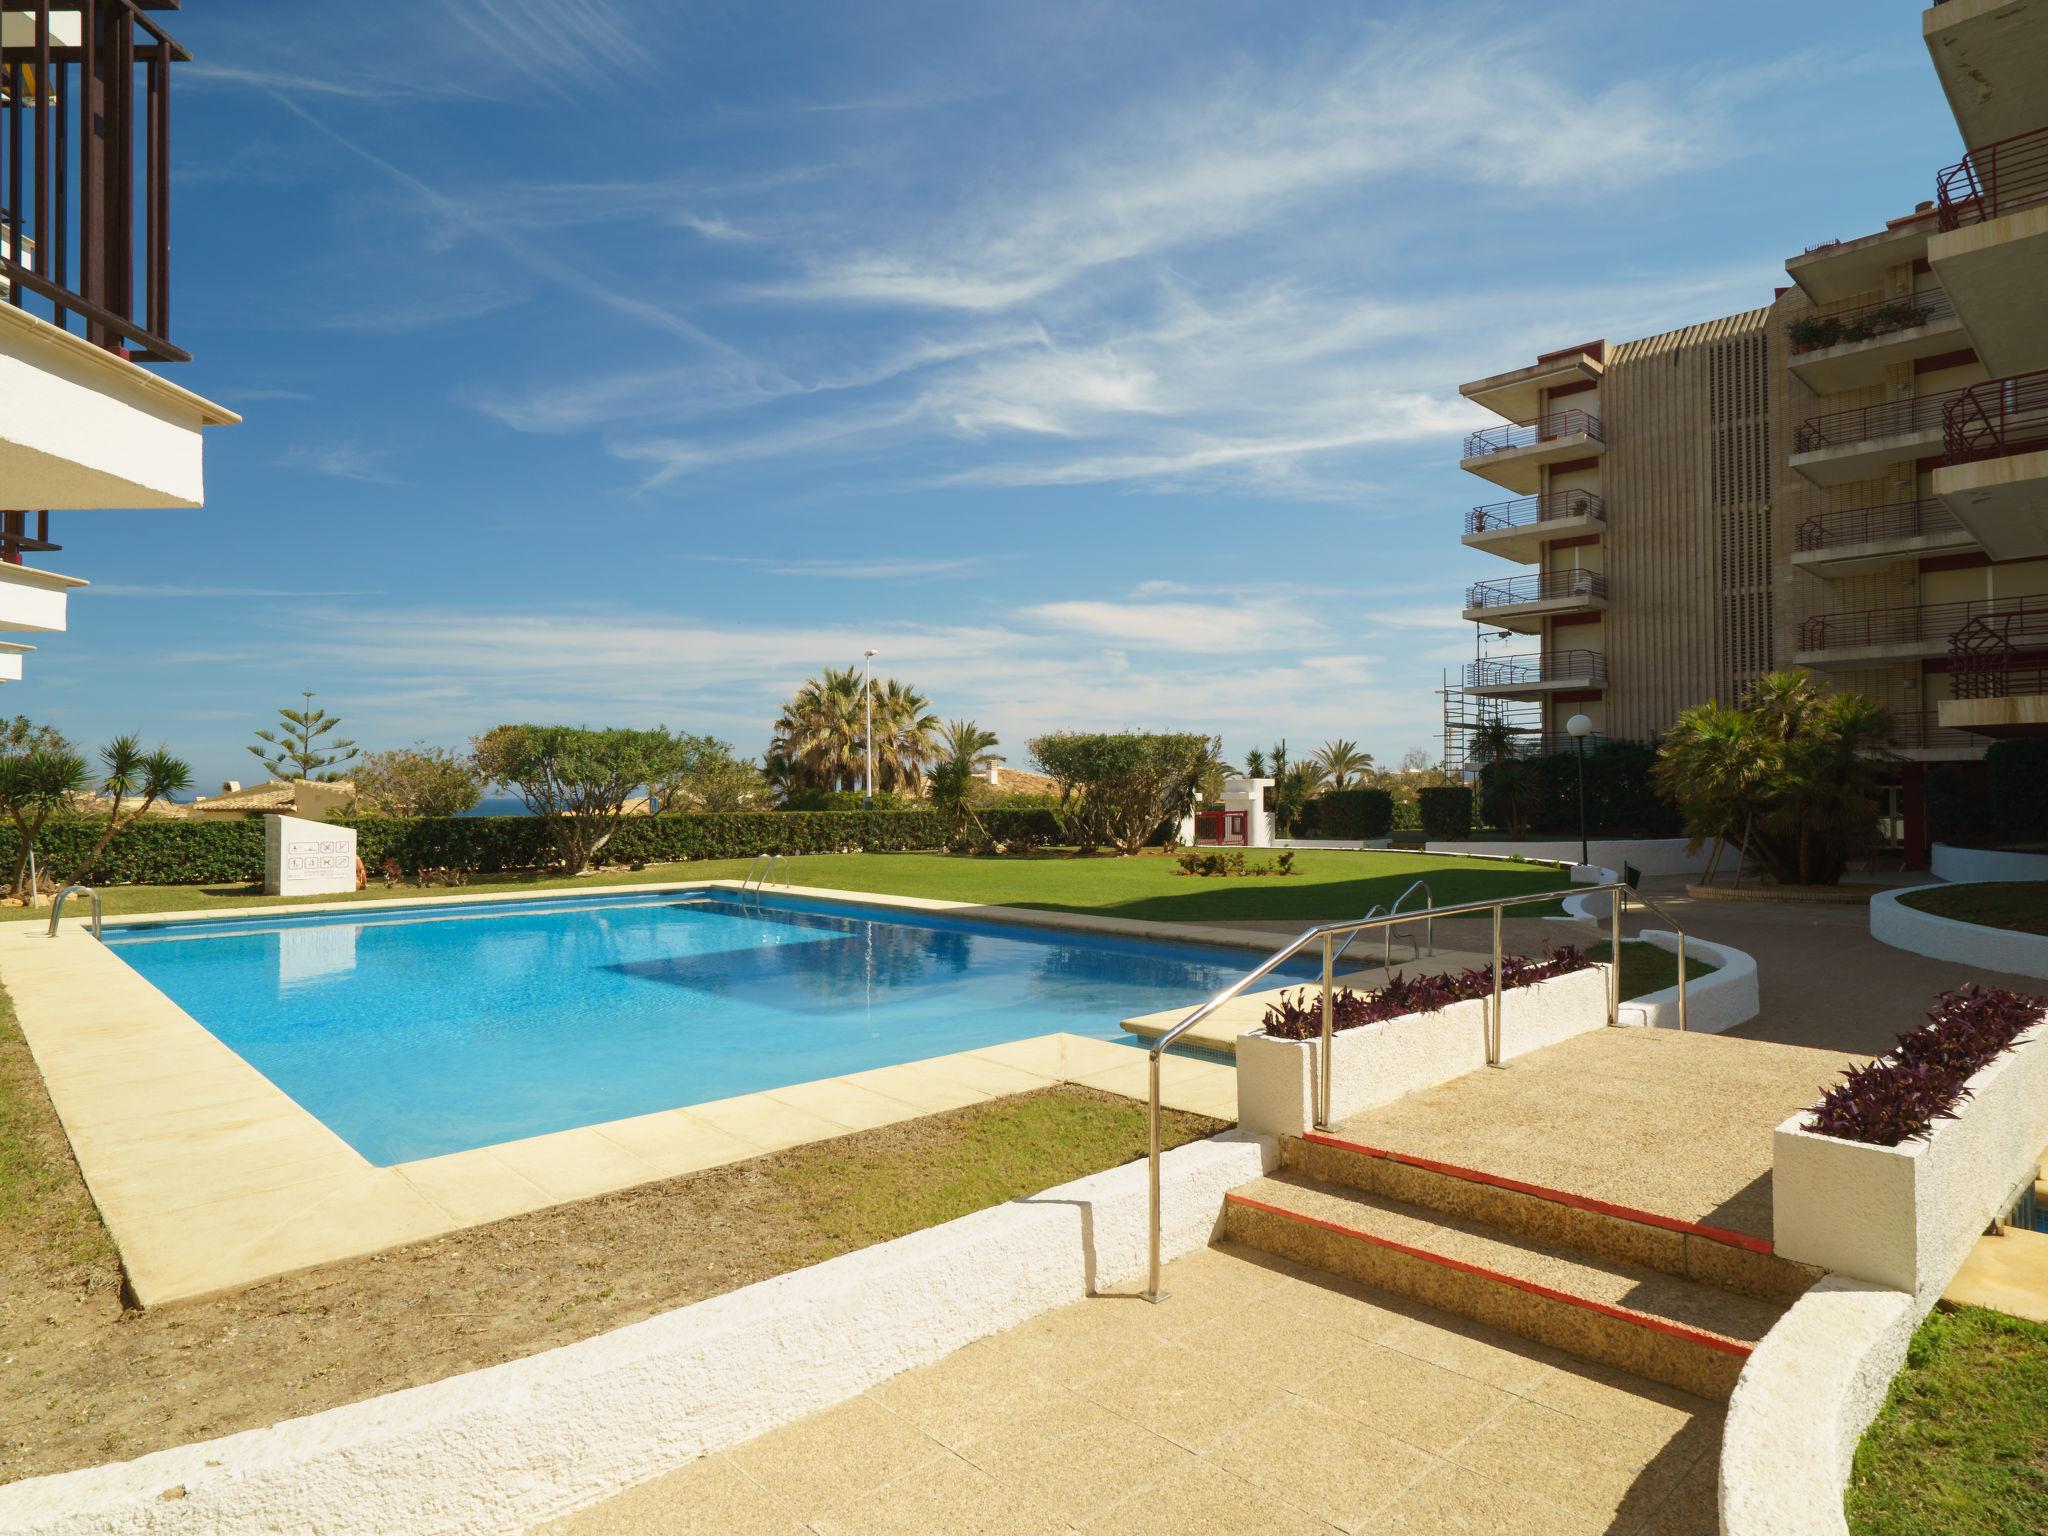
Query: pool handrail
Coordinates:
[1324,933]
[75,889]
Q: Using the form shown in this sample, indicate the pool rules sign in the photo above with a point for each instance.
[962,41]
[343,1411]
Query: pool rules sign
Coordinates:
[307,858]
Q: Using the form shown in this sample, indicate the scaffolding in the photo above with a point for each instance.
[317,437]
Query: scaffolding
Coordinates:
[1465,712]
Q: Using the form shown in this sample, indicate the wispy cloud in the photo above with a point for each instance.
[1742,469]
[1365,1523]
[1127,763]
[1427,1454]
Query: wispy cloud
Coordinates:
[344,461]
[887,568]
[565,47]
[167,590]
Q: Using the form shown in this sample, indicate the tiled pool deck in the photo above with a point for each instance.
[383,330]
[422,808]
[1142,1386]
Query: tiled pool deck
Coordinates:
[1258,1397]
[210,1177]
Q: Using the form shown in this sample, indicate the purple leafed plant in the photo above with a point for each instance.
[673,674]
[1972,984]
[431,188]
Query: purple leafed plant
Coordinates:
[1901,1095]
[1299,1015]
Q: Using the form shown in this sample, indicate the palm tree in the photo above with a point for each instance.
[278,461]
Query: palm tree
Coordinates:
[906,738]
[963,741]
[819,733]
[131,771]
[35,784]
[1492,741]
[1342,761]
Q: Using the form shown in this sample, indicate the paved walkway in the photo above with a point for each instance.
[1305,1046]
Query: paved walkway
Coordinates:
[1258,1397]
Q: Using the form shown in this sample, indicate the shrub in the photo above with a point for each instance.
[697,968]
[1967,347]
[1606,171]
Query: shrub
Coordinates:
[2017,770]
[1354,813]
[1212,863]
[1542,793]
[1446,811]
[1119,787]
[231,852]
[1300,1016]
[1900,1096]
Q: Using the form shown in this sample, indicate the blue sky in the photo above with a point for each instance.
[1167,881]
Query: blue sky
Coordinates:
[1096,363]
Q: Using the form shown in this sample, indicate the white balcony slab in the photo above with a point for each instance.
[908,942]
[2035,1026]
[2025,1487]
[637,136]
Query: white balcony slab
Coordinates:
[2002,502]
[82,428]
[1991,56]
[1993,273]
[33,601]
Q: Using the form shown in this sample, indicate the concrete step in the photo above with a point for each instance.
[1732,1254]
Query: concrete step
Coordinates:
[1657,1325]
[1716,1256]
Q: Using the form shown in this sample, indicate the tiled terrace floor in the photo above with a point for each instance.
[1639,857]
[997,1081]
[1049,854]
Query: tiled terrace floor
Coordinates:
[1258,1397]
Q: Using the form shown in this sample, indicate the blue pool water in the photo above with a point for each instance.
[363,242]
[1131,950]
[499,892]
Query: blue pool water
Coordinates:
[439,1029]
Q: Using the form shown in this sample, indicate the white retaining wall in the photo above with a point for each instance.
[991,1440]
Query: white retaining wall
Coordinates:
[1276,1079]
[1802,1404]
[1714,1003]
[1966,864]
[504,1448]
[1651,855]
[1907,1216]
[1944,938]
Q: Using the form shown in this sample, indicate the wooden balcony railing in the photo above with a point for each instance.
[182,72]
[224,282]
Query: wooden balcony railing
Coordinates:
[1838,429]
[1538,587]
[1587,669]
[1996,418]
[1873,525]
[85,128]
[1528,434]
[1531,510]
[1993,179]
[1932,623]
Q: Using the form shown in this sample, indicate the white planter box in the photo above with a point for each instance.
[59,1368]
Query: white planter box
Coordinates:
[1276,1079]
[1907,1216]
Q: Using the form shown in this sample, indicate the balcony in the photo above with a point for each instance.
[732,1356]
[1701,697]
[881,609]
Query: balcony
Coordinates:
[1995,436]
[33,601]
[1522,603]
[1513,457]
[1852,348]
[1993,248]
[1843,446]
[1865,539]
[1518,530]
[1875,637]
[1922,736]
[1842,269]
[1519,393]
[1536,677]
[1998,672]
[1991,57]
[84,263]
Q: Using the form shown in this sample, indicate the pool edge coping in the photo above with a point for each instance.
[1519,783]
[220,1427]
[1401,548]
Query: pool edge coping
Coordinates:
[205,1134]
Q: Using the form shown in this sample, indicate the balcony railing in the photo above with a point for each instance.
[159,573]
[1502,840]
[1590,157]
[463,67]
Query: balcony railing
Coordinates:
[1585,668]
[1528,434]
[1554,506]
[1928,622]
[85,129]
[1871,525]
[1993,179]
[1921,730]
[1539,587]
[1838,429]
[1869,322]
[18,537]
[1997,417]
[1997,655]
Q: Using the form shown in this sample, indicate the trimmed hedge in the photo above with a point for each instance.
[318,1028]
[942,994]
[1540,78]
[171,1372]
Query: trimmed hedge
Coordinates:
[1354,813]
[231,852]
[1621,796]
[1995,802]
[1446,811]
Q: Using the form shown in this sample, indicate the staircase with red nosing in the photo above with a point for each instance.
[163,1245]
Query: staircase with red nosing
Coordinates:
[1674,1301]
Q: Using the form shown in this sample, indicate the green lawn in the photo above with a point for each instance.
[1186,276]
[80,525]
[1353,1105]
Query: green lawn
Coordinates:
[1645,968]
[2021,905]
[1961,1445]
[1325,885]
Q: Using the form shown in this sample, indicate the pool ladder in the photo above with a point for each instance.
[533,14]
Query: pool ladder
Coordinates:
[766,870]
[57,907]
[1428,915]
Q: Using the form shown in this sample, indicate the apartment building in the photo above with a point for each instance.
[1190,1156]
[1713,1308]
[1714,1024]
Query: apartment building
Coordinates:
[85,294]
[1852,478]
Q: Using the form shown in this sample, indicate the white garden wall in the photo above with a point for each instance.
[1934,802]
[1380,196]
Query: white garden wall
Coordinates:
[1965,864]
[1276,1079]
[2004,950]
[1802,1404]
[1715,1002]
[1651,855]
[505,1448]
[1907,1216]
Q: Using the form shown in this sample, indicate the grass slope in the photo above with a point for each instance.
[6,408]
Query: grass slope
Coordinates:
[2021,905]
[1149,888]
[1961,1445]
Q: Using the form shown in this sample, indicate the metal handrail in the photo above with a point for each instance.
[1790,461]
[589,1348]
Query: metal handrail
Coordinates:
[57,907]
[1529,434]
[758,862]
[1324,933]
[1537,587]
[1429,909]
[1374,911]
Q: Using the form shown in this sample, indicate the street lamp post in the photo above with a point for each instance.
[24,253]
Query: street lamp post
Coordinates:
[1580,727]
[867,688]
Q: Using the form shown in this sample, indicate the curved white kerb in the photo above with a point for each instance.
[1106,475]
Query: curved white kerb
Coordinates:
[1943,938]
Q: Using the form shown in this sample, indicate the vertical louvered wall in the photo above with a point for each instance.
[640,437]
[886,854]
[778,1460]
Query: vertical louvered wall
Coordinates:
[1687,481]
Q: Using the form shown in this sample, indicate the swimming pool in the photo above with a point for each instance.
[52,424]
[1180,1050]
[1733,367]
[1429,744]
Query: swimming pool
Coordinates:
[416,1032]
